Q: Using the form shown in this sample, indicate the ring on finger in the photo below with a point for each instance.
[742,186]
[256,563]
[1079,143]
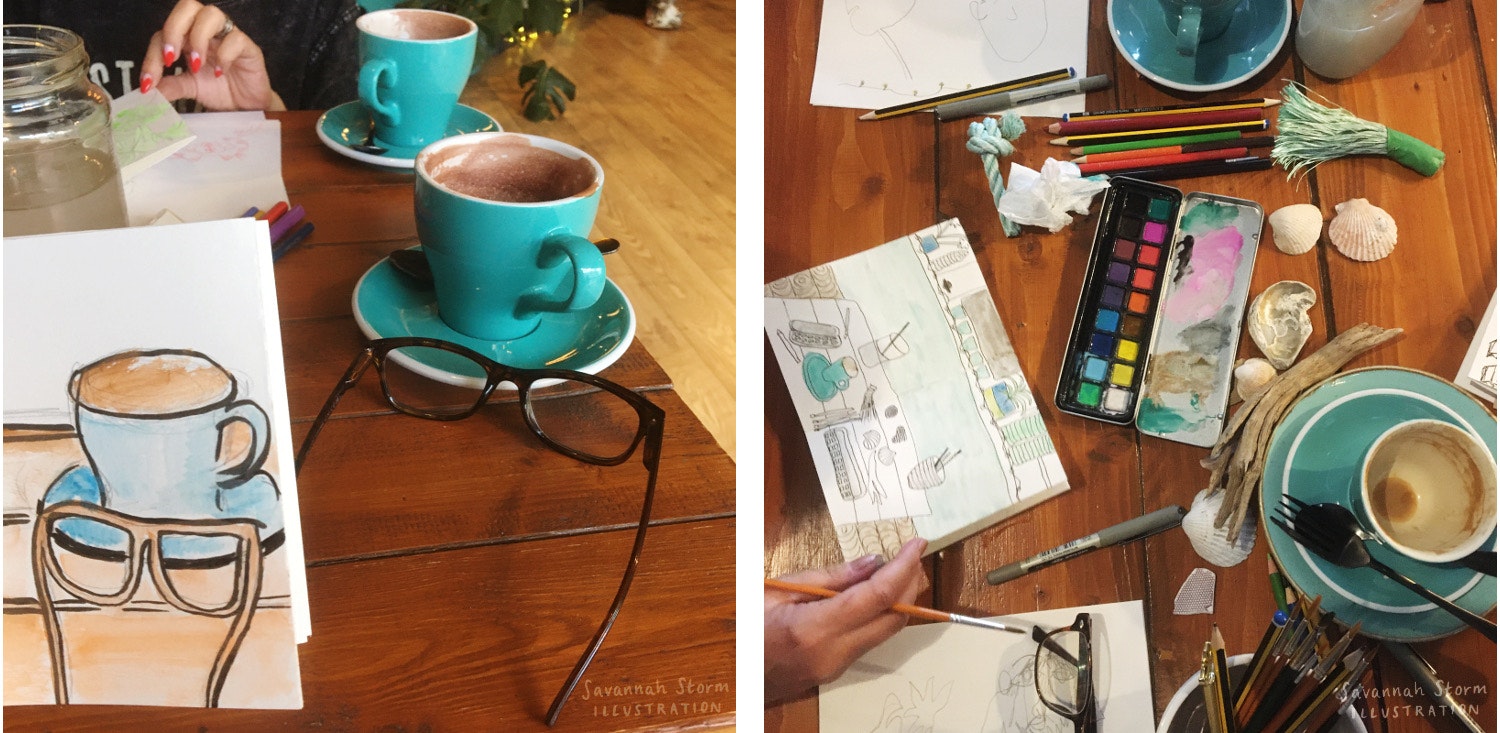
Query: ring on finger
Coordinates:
[227,29]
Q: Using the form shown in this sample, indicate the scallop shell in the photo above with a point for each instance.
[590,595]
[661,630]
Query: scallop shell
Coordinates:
[1252,376]
[1211,543]
[1296,227]
[1278,321]
[1362,230]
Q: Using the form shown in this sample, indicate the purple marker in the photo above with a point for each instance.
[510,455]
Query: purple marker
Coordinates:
[285,222]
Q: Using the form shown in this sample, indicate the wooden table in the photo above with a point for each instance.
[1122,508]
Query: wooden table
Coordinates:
[836,186]
[456,570]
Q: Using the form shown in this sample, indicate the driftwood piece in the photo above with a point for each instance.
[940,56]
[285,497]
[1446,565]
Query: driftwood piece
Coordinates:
[1237,460]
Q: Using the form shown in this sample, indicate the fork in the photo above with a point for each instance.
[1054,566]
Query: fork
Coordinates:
[1327,512]
[1339,545]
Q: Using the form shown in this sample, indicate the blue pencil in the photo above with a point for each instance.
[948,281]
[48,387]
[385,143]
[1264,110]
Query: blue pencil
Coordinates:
[291,241]
[252,211]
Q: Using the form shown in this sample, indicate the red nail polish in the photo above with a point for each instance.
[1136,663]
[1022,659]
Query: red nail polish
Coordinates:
[218,72]
[195,62]
[168,55]
[145,83]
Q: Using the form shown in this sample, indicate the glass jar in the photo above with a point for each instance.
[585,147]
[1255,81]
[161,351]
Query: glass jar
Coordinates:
[60,168]
[1337,39]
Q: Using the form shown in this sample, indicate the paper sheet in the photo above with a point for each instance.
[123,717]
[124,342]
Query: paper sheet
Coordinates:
[878,53]
[1478,371]
[234,163]
[963,679]
[146,131]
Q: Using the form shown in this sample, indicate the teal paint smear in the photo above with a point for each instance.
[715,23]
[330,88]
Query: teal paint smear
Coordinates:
[1209,215]
[1153,418]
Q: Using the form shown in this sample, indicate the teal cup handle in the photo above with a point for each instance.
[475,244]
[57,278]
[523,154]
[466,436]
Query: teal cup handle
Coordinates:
[249,413]
[1189,28]
[583,289]
[370,76]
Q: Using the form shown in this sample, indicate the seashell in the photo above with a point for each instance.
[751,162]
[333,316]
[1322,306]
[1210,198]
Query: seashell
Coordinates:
[1278,321]
[1252,376]
[1296,227]
[1210,542]
[1362,230]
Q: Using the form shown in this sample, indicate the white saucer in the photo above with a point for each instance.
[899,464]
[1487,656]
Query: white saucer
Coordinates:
[349,124]
[388,303]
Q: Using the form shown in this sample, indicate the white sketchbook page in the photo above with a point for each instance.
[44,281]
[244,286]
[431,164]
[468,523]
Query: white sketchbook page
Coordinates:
[949,678]
[72,298]
[1478,371]
[879,53]
[234,163]
[146,130]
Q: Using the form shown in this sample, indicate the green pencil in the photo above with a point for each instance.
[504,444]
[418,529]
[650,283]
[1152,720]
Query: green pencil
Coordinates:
[1278,584]
[1201,137]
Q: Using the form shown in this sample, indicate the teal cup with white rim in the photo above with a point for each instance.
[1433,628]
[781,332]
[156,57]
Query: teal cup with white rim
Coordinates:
[413,66]
[1195,22]
[504,220]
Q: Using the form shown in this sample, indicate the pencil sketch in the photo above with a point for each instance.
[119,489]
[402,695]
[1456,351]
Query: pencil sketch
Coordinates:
[899,359]
[1015,706]
[918,713]
[1013,29]
[876,18]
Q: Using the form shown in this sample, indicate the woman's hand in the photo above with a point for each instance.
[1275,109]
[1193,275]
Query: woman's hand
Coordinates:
[225,70]
[810,642]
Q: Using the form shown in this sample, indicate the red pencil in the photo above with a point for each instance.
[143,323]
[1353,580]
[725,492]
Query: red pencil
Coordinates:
[1264,141]
[1123,164]
[1182,119]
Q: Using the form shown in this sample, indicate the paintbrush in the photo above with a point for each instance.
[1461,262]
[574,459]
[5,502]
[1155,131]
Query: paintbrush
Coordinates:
[929,614]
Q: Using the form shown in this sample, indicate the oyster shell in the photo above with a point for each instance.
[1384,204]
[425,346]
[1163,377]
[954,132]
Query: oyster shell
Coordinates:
[1213,544]
[1296,227]
[1362,230]
[1278,321]
[1251,376]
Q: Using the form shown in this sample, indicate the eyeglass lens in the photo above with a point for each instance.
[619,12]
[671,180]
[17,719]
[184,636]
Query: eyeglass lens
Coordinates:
[1061,671]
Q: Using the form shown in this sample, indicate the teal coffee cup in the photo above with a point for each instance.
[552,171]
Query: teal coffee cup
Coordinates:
[166,433]
[504,220]
[413,65]
[1198,21]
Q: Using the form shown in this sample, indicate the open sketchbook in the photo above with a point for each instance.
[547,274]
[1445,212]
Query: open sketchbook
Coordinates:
[919,419]
[1478,371]
[948,678]
[151,523]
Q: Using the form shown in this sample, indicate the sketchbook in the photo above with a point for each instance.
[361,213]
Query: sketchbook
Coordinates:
[1478,371]
[151,521]
[949,678]
[905,382]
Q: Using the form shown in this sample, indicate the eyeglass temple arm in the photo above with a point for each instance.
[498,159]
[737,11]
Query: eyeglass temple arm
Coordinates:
[351,377]
[652,456]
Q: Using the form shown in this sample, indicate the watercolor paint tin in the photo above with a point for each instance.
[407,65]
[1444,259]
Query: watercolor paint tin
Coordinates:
[1145,264]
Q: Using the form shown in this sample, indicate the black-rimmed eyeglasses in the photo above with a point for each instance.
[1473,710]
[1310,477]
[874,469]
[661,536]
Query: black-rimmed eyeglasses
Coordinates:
[586,417]
[1064,672]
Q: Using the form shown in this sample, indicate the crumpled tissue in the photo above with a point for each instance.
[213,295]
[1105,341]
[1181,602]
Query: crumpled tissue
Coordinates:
[1045,198]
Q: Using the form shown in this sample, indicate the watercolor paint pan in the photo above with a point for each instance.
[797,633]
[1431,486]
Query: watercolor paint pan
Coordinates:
[1174,254]
[1116,315]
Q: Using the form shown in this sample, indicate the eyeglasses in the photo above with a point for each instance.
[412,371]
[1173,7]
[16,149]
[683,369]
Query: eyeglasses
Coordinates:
[586,417]
[1064,672]
[180,584]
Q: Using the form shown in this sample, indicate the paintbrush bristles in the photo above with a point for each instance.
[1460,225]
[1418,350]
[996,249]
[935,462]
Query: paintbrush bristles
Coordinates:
[1309,133]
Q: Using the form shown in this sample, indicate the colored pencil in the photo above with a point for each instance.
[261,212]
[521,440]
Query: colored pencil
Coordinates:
[276,211]
[1004,86]
[929,614]
[1206,137]
[1121,137]
[284,223]
[1180,119]
[1278,584]
[292,240]
[250,212]
[1194,170]
[1151,161]
[1261,141]
[1173,109]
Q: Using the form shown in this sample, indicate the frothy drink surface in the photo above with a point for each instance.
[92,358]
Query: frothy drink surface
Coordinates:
[510,169]
[144,385]
[414,25]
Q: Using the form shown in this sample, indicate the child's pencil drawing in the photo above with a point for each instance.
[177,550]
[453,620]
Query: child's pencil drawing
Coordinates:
[918,416]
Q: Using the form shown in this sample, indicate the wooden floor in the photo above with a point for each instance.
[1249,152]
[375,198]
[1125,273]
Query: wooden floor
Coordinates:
[656,108]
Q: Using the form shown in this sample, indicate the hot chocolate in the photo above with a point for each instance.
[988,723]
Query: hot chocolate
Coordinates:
[414,24]
[510,169]
[152,383]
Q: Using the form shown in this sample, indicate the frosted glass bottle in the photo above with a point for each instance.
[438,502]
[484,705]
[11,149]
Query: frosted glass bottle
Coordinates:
[60,168]
[1337,39]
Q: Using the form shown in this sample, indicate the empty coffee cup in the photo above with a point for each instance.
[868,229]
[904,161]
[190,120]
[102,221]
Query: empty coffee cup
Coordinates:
[1427,487]
[1197,21]
[504,220]
[156,427]
[413,66]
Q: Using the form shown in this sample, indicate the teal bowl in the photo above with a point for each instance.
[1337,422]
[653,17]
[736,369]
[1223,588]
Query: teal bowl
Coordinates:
[1145,38]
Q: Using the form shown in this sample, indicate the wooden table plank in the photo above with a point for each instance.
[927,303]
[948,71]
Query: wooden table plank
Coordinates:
[498,630]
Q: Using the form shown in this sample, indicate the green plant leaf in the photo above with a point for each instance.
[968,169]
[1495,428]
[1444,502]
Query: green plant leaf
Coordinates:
[546,89]
[499,18]
[545,16]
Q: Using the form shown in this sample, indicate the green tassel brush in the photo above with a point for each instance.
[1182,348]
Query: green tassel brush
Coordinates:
[1308,134]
